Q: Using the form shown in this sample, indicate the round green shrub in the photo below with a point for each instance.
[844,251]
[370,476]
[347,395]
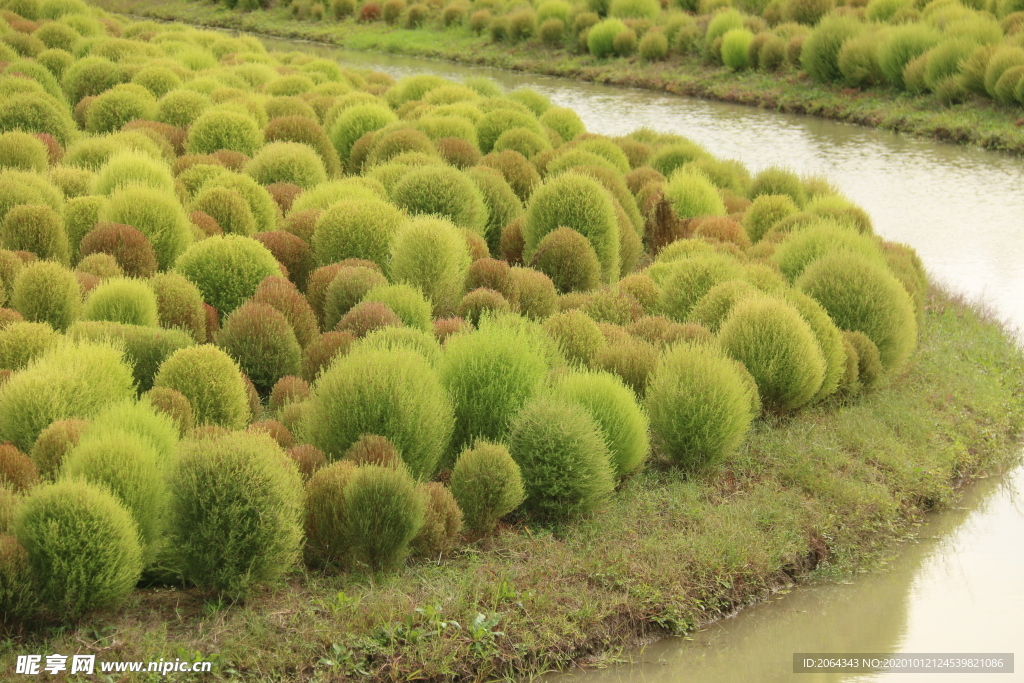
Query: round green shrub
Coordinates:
[492,124]
[487,485]
[308,132]
[406,301]
[778,348]
[122,300]
[578,202]
[18,599]
[227,269]
[382,514]
[490,374]
[862,296]
[601,37]
[23,152]
[692,278]
[776,180]
[22,342]
[819,56]
[442,191]
[390,144]
[803,247]
[524,141]
[157,215]
[898,46]
[431,254]
[858,61]
[699,405]
[765,212]
[145,347]
[388,338]
[38,229]
[262,342]
[712,309]
[326,541]
[228,208]
[289,162]
[132,168]
[212,383]
[356,229]
[45,291]
[346,290]
[181,107]
[119,105]
[264,209]
[828,336]
[218,129]
[736,48]
[179,305]
[159,80]
[235,517]
[34,112]
[355,122]
[82,546]
[614,407]
[129,467]
[442,522]
[577,336]
[563,121]
[392,393]
[288,389]
[653,46]
[691,194]
[563,458]
[869,361]
[1002,59]
[551,30]
[502,203]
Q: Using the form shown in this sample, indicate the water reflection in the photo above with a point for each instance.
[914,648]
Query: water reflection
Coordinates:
[961,208]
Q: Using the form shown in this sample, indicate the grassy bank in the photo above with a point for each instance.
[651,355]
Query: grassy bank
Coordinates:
[979,121]
[817,495]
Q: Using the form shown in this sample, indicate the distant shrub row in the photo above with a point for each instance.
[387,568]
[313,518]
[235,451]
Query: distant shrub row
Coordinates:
[954,49]
[263,317]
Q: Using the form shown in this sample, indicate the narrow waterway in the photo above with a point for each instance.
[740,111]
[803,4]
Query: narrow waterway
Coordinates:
[959,587]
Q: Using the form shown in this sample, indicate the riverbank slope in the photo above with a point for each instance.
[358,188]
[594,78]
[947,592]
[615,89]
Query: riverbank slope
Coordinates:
[978,121]
[813,496]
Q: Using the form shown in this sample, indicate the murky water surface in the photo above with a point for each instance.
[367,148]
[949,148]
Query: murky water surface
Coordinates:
[960,586]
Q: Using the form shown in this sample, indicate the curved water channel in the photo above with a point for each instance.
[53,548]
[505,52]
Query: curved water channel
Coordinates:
[959,586]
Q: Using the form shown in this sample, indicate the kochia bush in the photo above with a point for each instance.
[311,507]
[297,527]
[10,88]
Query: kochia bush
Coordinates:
[487,484]
[563,458]
[442,191]
[218,129]
[614,407]
[490,374]
[392,393]
[431,254]
[699,405]
[82,546]
[46,292]
[38,229]
[235,516]
[578,202]
[289,162]
[212,383]
[122,300]
[157,215]
[356,229]
[262,342]
[778,348]
[227,269]
[382,514]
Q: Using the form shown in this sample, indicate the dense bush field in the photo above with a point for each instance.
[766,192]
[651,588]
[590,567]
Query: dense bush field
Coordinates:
[263,310]
[954,49]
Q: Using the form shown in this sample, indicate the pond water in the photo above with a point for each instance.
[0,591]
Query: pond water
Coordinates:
[959,587]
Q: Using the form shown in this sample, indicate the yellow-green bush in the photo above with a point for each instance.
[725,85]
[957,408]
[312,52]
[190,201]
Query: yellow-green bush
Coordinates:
[122,300]
[227,269]
[212,383]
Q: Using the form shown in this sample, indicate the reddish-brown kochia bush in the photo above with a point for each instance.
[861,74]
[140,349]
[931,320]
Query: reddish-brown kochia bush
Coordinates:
[260,339]
[367,316]
[16,469]
[129,246]
[493,274]
[307,458]
[286,298]
[302,224]
[277,431]
[284,194]
[206,223]
[289,389]
[482,300]
[292,252]
[372,449]
[446,327]
[319,354]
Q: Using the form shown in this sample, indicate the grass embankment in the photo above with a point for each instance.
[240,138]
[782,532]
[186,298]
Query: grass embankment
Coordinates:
[978,121]
[816,495]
